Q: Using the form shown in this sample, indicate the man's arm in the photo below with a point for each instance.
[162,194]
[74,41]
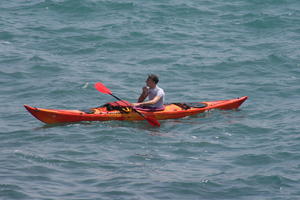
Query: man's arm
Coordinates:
[144,94]
[153,101]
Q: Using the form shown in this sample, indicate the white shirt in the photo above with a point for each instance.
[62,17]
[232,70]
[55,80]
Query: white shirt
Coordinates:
[157,91]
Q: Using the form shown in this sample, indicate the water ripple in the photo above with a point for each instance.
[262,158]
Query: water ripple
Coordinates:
[53,51]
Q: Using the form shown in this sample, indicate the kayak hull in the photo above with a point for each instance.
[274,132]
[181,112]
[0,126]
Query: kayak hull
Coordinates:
[171,111]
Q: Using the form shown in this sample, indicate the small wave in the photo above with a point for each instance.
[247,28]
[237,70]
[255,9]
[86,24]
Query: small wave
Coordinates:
[12,75]
[85,85]
[39,68]
[6,36]
[265,22]
[183,9]
[253,160]
[84,7]
[39,158]
[271,181]
[4,186]
[158,60]
[36,58]
[12,194]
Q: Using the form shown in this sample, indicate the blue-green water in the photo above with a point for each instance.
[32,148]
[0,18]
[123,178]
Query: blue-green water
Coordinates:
[53,51]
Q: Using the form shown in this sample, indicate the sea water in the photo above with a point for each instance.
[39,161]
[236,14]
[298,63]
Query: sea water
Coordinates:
[53,51]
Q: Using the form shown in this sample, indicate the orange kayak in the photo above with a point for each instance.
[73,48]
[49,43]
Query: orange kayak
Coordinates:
[171,111]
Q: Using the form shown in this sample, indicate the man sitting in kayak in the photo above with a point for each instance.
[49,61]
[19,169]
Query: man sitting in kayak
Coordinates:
[155,94]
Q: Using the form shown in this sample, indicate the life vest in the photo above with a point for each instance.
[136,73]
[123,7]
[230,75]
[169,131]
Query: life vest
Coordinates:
[122,106]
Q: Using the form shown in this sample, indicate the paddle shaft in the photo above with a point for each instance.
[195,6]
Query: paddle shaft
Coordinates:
[117,98]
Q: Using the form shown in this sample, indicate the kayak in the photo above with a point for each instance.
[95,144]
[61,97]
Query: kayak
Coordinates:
[106,113]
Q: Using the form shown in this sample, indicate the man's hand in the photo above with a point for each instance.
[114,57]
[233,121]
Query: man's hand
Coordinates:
[136,104]
[145,90]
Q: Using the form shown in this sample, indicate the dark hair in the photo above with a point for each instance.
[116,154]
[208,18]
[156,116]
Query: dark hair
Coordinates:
[154,78]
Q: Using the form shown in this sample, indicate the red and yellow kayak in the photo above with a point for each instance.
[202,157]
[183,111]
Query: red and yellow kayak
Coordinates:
[171,111]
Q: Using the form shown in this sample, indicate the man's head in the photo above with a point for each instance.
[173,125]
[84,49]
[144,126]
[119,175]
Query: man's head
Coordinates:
[153,77]
[152,80]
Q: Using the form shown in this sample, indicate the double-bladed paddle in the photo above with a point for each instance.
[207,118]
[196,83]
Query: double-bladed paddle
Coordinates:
[102,88]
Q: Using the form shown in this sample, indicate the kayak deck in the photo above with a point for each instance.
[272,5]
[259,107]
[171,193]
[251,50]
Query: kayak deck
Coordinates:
[171,111]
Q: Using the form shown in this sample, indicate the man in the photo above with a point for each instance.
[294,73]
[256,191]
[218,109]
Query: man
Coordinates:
[156,95]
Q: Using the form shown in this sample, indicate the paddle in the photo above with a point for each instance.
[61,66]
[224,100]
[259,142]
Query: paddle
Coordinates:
[102,88]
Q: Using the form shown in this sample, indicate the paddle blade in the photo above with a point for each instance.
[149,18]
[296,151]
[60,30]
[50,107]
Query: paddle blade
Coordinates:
[152,120]
[102,88]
